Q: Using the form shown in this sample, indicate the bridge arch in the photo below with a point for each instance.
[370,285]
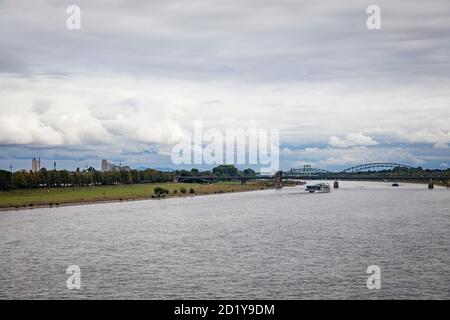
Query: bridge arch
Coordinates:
[376,166]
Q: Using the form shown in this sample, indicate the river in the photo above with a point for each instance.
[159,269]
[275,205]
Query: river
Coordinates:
[269,244]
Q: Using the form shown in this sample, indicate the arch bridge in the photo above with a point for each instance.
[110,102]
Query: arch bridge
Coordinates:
[368,171]
[376,166]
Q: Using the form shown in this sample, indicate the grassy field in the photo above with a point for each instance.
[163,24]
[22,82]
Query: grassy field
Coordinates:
[59,196]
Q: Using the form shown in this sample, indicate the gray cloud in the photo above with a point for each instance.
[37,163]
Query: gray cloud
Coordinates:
[253,40]
[140,71]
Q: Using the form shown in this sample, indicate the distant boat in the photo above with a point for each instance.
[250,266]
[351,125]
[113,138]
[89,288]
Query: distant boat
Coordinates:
[319,187]
[395,185]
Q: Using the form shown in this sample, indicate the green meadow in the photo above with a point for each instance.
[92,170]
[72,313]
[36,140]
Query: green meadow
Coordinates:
[58,196]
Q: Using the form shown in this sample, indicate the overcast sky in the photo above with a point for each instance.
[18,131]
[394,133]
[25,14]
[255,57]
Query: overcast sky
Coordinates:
[139,71]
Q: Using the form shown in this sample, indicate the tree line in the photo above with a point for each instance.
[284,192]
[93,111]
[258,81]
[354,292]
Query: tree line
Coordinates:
[89,177]
[223,170]
[93,177]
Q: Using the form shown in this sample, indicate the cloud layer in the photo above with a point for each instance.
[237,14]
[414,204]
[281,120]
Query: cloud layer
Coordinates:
[139,72]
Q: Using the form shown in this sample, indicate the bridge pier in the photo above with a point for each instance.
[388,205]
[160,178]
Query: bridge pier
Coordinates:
[336,184]
[278,180]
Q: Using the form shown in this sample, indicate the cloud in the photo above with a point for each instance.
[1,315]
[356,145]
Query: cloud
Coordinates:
[254,40]
[139,72]
[339,158]
[440,145]
[116,116]
[27,129]
[352,140]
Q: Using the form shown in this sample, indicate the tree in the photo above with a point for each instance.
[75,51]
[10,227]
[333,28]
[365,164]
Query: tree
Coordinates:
[183,173]
[160,192]
[5,180]
[65,177]
[226,170]
[19,179]
[43,176]
[249,172]
[54,178]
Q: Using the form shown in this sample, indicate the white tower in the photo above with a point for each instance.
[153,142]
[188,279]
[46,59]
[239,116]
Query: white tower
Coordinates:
[35,165]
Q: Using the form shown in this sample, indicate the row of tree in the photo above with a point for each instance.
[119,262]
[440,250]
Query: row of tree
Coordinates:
[91,177]
[224,170]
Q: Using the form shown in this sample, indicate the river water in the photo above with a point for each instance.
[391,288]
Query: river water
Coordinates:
[256,245]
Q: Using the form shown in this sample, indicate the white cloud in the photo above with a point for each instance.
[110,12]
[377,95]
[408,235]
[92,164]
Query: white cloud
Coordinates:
[25,128]
[118,115]
[357,139]
[440,145]
[339,157]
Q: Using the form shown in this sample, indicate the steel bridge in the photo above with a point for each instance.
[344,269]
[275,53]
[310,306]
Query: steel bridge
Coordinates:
[368,171]
[375,167]
[305,172]
[367,167]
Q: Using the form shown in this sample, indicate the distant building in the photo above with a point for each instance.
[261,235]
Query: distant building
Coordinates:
[105,166]
[307,169]
[108,166]
[35,165]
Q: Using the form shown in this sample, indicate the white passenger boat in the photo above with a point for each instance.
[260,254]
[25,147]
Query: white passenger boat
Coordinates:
[318,187]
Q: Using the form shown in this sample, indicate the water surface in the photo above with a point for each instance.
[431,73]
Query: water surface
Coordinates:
[255,245]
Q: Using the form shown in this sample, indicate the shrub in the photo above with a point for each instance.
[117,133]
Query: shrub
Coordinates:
[175,191]
[191,190]
[183,190]
[160,192]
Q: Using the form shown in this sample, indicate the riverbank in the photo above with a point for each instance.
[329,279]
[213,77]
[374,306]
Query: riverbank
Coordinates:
[54,197]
